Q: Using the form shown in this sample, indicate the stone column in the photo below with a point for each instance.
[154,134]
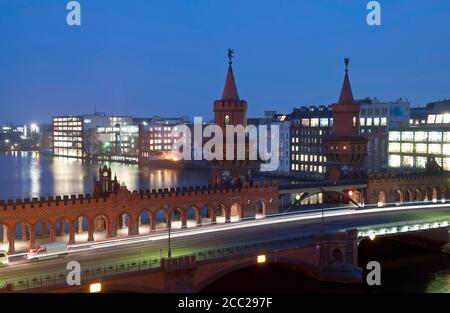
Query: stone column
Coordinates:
[72,232]
[11,239]
[213,216]
[80,225]
[90,230]
[199,217]
[52,233]
[5,234]
[43,230]
[228,215]
[61,228]
[152,221]
[24,231]
[32,237]
[133,228]
[183,220]
[124,222]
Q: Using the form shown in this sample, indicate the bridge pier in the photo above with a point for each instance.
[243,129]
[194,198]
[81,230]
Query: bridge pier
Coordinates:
[11,239]
[71,232]
[339,258]
[33,237]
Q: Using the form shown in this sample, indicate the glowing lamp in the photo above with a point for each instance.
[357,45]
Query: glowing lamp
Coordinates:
[261,259]
[96,287]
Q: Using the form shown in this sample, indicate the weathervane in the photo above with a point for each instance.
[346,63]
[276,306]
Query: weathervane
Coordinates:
[346,61]
[230,56]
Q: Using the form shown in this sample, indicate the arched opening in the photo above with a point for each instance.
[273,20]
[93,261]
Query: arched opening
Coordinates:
[434,195]
[21,236]
[260,209]
[101,226]
[381,198]
[220,214]
[205,214]
[41,232]
[81,229]
[123,224]
[176,222]
[235,213]
[144,222]
[191,215]
[161,219]
[409,196]
[4,241]
[419,195]
[428,194]
[62,230]
[398,197]
[227,120]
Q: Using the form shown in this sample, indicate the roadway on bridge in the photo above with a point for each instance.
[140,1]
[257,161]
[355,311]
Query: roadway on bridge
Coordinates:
[213,237]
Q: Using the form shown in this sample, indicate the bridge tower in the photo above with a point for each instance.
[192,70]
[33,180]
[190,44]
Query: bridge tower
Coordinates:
[230,110]
[105,182]
[345,148]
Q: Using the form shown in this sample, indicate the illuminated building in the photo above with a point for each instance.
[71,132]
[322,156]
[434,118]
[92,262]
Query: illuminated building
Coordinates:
[309,127]
[428,134]
[376,119]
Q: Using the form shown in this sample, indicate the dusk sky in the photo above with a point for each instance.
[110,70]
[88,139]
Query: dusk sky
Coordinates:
[144,57]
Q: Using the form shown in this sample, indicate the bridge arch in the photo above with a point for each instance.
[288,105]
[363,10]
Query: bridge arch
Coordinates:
[81,224]
[260,209]
[177,218]
[381,198]
[409,195]
[144,221]
[207,214]
[122,223]
[300,266]
[161,219]
[235,212]
[220,214]
[192,216]
[101,227]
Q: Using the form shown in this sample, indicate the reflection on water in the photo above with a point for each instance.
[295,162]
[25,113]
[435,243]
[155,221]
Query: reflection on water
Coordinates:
[30,174]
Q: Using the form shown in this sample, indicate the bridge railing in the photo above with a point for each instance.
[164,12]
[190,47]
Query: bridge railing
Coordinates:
[393,228]
[92,272]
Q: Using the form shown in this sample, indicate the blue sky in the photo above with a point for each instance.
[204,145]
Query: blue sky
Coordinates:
[145,57]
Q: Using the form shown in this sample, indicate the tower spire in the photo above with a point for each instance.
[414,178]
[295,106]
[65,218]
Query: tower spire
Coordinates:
[230,92]
[346,96]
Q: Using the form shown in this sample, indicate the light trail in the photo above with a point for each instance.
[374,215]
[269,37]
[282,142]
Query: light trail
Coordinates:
[269,220]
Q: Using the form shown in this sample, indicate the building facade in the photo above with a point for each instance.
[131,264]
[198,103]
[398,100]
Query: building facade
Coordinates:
[427,135]
[376,119]
[309,126]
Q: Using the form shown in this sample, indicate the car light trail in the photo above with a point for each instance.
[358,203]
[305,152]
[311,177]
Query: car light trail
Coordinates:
[269,220]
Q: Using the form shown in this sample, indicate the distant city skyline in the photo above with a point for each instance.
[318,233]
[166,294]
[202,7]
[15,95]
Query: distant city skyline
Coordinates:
[170,58]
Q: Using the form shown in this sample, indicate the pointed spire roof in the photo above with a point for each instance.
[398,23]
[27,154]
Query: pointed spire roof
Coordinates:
[346,91]
[230,92]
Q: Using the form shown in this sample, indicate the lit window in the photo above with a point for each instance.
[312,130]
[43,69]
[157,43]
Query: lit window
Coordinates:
[314,122]
[431,119]
[376,121]
[362,121]
[446,119]
[394,147]
[324,122]
[305,122]
[446,149]
[369,121]
[227,120]
[421,161]
[408,161]
[407,147]
[394,136]
[420,136]
[394,161]
[435,136]
[407,136]
[421,148]
[434,148]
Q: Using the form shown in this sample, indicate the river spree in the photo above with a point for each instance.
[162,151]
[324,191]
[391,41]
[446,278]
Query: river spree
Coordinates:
[30,174]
